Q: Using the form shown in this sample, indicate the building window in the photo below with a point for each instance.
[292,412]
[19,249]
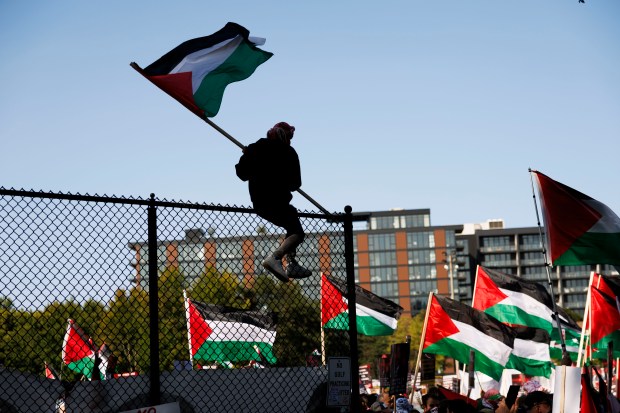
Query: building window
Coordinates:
[387,290]
[417,221]
[497,243]
[495,260]
[421,256]
[382,258]
[422,272]
[530,242]
[422,288]
[418,240]
[383,274]
[378,242]
[532,258]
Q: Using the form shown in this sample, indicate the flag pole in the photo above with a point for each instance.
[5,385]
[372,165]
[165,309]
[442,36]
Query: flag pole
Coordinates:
[323,355]
[586,313]
[189,335]
[138,69]
[565,357]
[422,338]
[240,145]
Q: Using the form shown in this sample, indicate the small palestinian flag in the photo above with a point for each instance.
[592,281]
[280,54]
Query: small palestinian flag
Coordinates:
[605,322]
[512,300]
[196,72]
[376,316]
[580,230]
[607,284]
[222,334]
[453,329]
[78,352]
[530,354]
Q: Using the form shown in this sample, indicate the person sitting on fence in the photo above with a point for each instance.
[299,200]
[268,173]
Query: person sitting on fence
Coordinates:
[271,167]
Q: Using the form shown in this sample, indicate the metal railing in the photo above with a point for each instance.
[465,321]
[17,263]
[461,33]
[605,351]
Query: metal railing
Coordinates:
[84,325]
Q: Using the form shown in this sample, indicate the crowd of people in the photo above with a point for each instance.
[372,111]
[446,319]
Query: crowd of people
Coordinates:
[434,401]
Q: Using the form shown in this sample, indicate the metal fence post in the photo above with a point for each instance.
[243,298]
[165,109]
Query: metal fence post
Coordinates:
[350,262]
[154,393]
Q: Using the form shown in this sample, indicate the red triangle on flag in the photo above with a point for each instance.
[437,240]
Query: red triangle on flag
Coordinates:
[439,324]
[487,293]
[199,329]
[332,301]
[75,345]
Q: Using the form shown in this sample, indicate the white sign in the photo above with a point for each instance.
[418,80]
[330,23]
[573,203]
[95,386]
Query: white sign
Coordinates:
[160,408]
[339,389]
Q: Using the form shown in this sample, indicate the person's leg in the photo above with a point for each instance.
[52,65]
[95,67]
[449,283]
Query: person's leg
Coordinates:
[287,218]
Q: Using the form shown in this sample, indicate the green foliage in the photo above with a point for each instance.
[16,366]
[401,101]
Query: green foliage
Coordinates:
[28,339]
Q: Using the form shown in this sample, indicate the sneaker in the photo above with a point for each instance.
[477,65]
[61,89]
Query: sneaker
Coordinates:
[274,266]
[294,270]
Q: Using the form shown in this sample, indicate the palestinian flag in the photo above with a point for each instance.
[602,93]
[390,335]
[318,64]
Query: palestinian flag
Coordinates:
[605,327]
[453,329]
[376,316]
[222,334]
[580,230]
[196,72]
[512,300]
[78,352]
[572,336]
[530,354]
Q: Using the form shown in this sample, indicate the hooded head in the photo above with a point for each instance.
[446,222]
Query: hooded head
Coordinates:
[281,131]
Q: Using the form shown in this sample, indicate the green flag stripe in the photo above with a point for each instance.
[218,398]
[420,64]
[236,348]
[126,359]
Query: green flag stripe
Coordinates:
[530,367]
[234,351]
[239,65]
[460,351]
[366,325]
[514,315]
[592,248]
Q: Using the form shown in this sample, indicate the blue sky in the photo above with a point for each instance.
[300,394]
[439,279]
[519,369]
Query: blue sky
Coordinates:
[397,104]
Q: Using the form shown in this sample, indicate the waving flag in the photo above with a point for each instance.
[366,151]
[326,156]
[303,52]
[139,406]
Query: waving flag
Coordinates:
[78,352]
[197,71]
[453,329]
[50,373]
[223,334]
[512,300]
[580,230]
[376,316]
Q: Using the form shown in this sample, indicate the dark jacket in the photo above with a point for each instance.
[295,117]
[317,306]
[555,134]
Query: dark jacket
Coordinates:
[272,169]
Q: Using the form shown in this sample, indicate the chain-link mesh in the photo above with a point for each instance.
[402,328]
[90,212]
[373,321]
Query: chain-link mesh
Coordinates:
[76,307]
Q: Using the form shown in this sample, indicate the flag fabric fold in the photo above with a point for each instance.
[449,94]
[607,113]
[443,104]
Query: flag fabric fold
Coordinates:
[197,72]
[223,334]
[375,316]
[580,230]
[453,329]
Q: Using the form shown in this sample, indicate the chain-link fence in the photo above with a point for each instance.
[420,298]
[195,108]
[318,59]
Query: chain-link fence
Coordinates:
[85,327]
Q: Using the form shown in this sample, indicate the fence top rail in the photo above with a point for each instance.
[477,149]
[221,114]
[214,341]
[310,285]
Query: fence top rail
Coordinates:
[152,201]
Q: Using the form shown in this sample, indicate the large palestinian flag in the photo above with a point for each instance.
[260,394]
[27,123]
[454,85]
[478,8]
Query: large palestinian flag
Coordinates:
[375,316]
[580,230]
[605,327]
[196,72]
[453,329]
[222,334]
[512,300]
[78,351]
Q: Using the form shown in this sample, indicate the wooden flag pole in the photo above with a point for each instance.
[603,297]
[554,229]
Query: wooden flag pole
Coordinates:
[422,338]
[189,335]
[136,67]
[586,319]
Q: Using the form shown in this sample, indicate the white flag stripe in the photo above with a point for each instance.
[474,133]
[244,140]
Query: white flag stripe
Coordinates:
[231,331]
[202,62]
[490,347]
[362,311]
[531,350]
[527,304]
